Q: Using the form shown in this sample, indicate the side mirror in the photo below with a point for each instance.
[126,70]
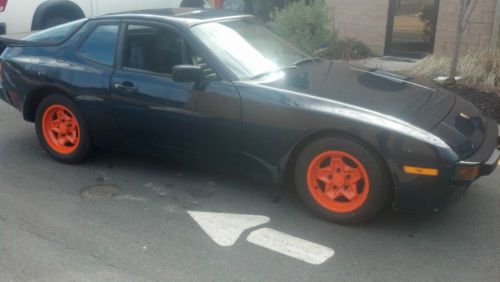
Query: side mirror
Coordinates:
[186,73]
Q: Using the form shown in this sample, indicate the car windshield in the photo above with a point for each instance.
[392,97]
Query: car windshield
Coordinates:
[56,34]
[247,47]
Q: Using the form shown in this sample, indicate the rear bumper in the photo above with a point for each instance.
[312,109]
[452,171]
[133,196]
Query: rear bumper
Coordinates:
[2,94]
[3,31]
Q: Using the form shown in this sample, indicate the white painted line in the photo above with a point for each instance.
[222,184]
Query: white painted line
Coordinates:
[131,198]
[290,246]
[226,228]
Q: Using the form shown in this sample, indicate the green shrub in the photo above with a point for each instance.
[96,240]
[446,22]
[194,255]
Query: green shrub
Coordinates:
[261,8]
[305,24]
[346,49]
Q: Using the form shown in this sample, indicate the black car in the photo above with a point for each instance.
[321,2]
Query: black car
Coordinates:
[222,90]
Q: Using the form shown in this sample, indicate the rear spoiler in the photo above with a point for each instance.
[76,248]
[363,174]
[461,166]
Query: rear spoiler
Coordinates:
[9,42]
[17,41]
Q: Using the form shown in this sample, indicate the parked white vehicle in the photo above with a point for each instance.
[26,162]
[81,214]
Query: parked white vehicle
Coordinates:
[18,16]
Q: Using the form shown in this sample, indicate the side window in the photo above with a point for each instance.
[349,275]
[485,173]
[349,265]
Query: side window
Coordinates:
[100,46]
[153,49]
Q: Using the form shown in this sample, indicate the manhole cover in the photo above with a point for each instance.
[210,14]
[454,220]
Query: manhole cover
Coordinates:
[99,192]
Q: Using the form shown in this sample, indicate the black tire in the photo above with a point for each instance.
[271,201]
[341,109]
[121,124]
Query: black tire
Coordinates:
[379,185]
[54,21]
[84,146]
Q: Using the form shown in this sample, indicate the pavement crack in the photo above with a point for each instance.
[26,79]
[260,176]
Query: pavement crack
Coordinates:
[44,237]
[50,240]
[106,262]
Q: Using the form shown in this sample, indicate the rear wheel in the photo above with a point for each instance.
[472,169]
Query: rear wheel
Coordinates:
[54,21]
[62,130]
[342,180]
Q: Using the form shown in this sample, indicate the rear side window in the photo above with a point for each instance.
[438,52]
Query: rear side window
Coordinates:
[100,46]
[56,34]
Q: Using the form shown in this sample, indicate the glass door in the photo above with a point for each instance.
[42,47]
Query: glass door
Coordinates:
[411,28]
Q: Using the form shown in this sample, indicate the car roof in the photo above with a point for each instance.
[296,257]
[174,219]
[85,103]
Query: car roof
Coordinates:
[187,16]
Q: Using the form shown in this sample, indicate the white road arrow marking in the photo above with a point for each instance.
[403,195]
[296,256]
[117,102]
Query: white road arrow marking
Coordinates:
[290,246]
[226,228]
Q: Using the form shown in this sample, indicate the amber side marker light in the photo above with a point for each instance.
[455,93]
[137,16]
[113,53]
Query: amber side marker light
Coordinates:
[421,170]
[467,172]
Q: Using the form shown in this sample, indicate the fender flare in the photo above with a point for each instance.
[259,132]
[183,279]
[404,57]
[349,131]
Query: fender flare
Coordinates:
[49,6]
[36,95]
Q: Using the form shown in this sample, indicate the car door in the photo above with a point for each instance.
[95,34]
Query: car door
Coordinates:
[150,107]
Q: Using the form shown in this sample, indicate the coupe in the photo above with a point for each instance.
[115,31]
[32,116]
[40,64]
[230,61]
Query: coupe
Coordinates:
[222,90]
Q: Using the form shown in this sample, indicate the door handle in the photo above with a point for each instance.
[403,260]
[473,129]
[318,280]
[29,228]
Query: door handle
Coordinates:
[126,86]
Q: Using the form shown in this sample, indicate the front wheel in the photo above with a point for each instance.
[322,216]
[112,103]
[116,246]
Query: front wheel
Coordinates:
[342,180]
[62,130]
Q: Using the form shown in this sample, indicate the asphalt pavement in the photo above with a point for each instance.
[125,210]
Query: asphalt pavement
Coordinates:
[124,217]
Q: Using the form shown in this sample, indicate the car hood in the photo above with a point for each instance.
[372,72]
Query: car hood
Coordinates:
[373,89]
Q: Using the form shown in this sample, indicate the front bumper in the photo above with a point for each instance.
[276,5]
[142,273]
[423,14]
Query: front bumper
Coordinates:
[491,164]
[423,193]
[488,155]
[498,138]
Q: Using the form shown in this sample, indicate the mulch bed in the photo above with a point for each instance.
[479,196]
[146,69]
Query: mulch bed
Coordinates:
[487,102]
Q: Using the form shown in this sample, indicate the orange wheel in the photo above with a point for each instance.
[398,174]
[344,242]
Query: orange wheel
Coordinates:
[61,129]
[338,181]
[342,179]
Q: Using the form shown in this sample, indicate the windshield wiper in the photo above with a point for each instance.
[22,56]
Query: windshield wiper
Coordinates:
[261,75]
[295,65]
[305,61]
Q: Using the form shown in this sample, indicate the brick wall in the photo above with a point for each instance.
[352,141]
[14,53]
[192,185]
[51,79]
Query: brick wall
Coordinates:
[365,20]
[478,34]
